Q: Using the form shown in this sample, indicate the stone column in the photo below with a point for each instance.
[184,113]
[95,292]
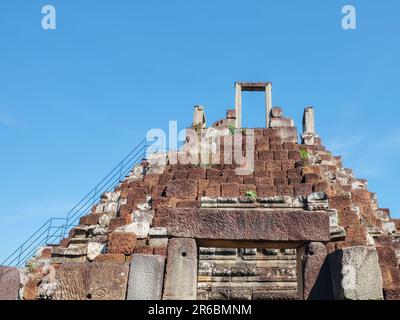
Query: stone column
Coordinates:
[308,134]
[299,272]
[199,118]
[316,278]
[268,103]
[308,121]
[181,271]
[238,105]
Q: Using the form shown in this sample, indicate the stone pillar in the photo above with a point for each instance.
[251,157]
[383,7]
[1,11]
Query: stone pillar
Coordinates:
[199,118]
[268,103]
[9,283]
[181,271]
[355,274]
[316,277]
[299,272]
[146,277]
[238,105]
[308,121]
[308,134]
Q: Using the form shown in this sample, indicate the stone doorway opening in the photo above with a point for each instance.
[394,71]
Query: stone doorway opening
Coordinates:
[246,274]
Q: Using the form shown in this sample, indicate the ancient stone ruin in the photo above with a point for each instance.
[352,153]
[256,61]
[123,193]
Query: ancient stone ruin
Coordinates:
[276,218]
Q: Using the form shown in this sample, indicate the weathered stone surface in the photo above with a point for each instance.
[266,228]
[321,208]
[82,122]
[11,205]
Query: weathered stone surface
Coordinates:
[146,277]
[122,242]
[277,225]
[181,272]
[9,283]
[355,274]
[111,257]
[276,112]
[316,278]
[91,281]
[182,189]
[94,249]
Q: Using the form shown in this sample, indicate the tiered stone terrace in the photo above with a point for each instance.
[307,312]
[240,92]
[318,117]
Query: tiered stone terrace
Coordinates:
[288,230]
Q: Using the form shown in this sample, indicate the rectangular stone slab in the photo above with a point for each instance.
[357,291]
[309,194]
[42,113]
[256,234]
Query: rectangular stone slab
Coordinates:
[91,281]
[181,271]
[250,224]
[9,283]
[146,277]
[355,274]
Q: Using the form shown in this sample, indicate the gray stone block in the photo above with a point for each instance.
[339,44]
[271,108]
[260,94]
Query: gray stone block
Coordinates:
[146,277]
[9,283]
[355,274]
[316,278]
[181,271]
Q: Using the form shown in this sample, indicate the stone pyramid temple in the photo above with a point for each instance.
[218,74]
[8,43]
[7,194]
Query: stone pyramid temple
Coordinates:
[235,213]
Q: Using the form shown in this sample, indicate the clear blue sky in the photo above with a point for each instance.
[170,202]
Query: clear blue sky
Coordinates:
[75,100]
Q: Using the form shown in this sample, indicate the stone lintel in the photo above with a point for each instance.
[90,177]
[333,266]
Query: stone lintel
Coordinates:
[253,86]
[285,226]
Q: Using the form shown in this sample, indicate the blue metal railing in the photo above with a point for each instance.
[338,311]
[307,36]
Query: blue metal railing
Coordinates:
[55,229]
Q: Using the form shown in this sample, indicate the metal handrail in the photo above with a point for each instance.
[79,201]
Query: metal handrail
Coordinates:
[55,229]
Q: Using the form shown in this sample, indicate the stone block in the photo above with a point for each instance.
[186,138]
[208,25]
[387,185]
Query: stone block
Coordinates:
[119,222]
[230,224]
[197,173]
[91,281]
[303,189]
[266,190]
[9,283]
[94,249]
[146,277]
[265,155]
[355,274]
[230,190]
[111,257]
[316,277]
[181,271]
[182,189]
[122,242]
[90,219]
[213,190]
[280,155]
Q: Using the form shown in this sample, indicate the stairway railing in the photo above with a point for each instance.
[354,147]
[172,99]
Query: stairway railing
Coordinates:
[55,229]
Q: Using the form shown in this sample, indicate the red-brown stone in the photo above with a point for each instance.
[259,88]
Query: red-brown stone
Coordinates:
[182,189]
[122,242]
[111,257]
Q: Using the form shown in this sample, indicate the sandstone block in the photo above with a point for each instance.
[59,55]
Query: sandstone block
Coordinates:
[181,271]
[355,274]
[91,281]
[182,189]
[111,257]
[230,190]
[220,224]
[316,278]
[122,242]
[9,283]
[146,277]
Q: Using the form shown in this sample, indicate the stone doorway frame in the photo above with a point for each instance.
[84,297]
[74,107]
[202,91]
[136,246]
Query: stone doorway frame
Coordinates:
[253,86]
[183,259]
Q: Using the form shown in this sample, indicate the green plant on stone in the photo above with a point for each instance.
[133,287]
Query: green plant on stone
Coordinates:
[251,194]
[233,130]
[303,153]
